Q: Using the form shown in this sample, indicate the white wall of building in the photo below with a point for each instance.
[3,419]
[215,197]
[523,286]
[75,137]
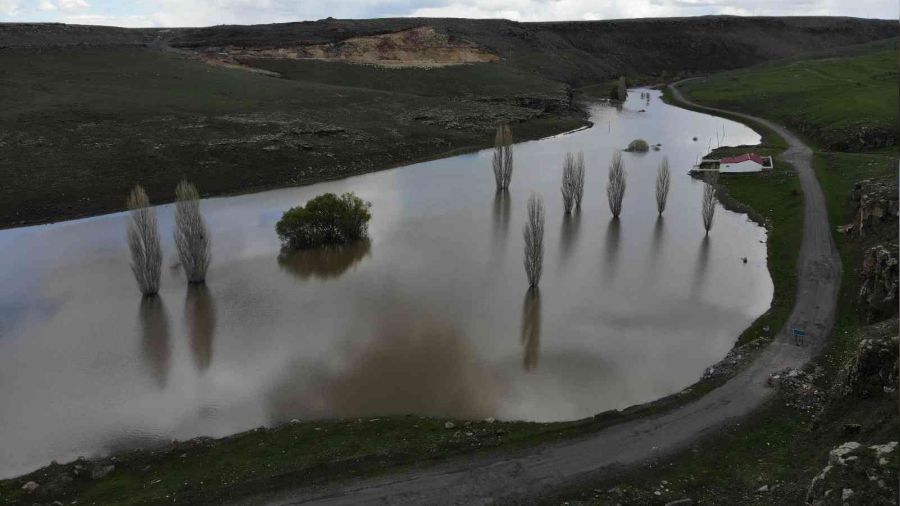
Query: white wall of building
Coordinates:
[745,166]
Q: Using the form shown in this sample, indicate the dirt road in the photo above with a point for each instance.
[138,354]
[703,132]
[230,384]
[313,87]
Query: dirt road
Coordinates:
[519,476]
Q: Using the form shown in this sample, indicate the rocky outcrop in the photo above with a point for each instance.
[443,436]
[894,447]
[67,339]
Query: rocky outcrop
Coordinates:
[878,297]
[872,202]
[857,474]
[873,370]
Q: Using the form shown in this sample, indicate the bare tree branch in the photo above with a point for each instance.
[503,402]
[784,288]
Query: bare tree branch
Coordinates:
[709,204]
[143,241]
[663,180]
[615,188]
[191,233]
[534,240]
[503,157]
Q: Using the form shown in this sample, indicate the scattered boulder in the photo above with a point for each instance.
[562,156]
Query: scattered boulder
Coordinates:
[798,389]
[735,358]
[30,487]
[857,474]
[449,425]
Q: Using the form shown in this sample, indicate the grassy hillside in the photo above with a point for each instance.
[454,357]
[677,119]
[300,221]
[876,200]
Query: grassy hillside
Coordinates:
[81,126]
[91,111]
[842,103]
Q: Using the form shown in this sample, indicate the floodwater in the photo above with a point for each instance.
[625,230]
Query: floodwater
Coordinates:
[432,316]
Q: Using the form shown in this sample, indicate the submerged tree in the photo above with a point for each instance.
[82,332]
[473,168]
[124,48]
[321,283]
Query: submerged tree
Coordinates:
[503,157]
[709,205]
[573,181]
[663,179]
[143,241]
[579,178]
[191,233]
[615,188]
[568,183]
[534,240]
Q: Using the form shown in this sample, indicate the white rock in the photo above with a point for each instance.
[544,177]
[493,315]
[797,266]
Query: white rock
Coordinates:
[883,449]
[490,419]
[449,425]
[836,456]
[764,488]
[846,493]
[30,487]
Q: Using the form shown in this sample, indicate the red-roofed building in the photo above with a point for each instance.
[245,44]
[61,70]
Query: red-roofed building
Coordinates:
[748,162]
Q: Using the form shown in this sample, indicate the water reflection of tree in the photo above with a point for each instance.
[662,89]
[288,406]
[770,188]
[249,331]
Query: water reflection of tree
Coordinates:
[324,263]
[569,234]
[501,216]
[413,364]
[531,329]
[613,239]
[200,313]
[656,249]
[700,268]
[155,345]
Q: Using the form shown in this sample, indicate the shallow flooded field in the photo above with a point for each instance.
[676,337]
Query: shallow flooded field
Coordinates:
[432,316]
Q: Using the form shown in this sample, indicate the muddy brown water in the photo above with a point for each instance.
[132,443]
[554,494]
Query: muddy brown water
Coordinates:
[431,316]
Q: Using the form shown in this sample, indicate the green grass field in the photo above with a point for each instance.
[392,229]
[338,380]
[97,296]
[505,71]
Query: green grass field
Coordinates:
[844,103]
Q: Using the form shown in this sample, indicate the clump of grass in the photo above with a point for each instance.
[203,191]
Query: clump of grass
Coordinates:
[534,240]
[191,233]
[615,188]
[503,157]
[143,241]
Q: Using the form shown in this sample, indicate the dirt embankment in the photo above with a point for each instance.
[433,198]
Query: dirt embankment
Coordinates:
[417,47]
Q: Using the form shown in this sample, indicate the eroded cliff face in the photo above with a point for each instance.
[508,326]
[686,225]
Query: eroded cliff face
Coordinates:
[878,291]
[417,47]
[872,203]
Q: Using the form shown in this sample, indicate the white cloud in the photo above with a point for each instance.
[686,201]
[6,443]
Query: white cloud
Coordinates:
[73,5]
[211,12]
[10,7]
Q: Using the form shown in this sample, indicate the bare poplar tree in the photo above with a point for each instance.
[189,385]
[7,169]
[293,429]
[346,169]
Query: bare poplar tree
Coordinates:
[709,205]
[143,241]
[663,179]
[615,189]
[503,157]
[579,178]
[568,183]
[534,240]
[191,233]
[573,181]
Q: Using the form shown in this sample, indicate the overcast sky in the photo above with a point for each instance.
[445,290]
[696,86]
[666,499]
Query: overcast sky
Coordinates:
[212,12]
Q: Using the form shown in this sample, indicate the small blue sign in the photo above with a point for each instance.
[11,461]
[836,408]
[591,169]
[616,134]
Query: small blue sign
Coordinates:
[799,333]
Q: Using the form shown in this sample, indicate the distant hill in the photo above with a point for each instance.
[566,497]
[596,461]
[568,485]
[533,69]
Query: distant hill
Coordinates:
[572,52]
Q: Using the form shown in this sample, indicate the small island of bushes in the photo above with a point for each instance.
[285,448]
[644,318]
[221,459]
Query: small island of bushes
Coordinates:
[326,220]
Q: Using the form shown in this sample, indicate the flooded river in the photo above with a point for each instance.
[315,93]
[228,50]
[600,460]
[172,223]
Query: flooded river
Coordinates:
[432,316]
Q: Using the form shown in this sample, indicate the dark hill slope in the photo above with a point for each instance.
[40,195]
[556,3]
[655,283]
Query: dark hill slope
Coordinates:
[572,52]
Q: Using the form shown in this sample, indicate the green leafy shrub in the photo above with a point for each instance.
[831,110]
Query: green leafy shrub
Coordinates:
[639,145]
[325,220]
